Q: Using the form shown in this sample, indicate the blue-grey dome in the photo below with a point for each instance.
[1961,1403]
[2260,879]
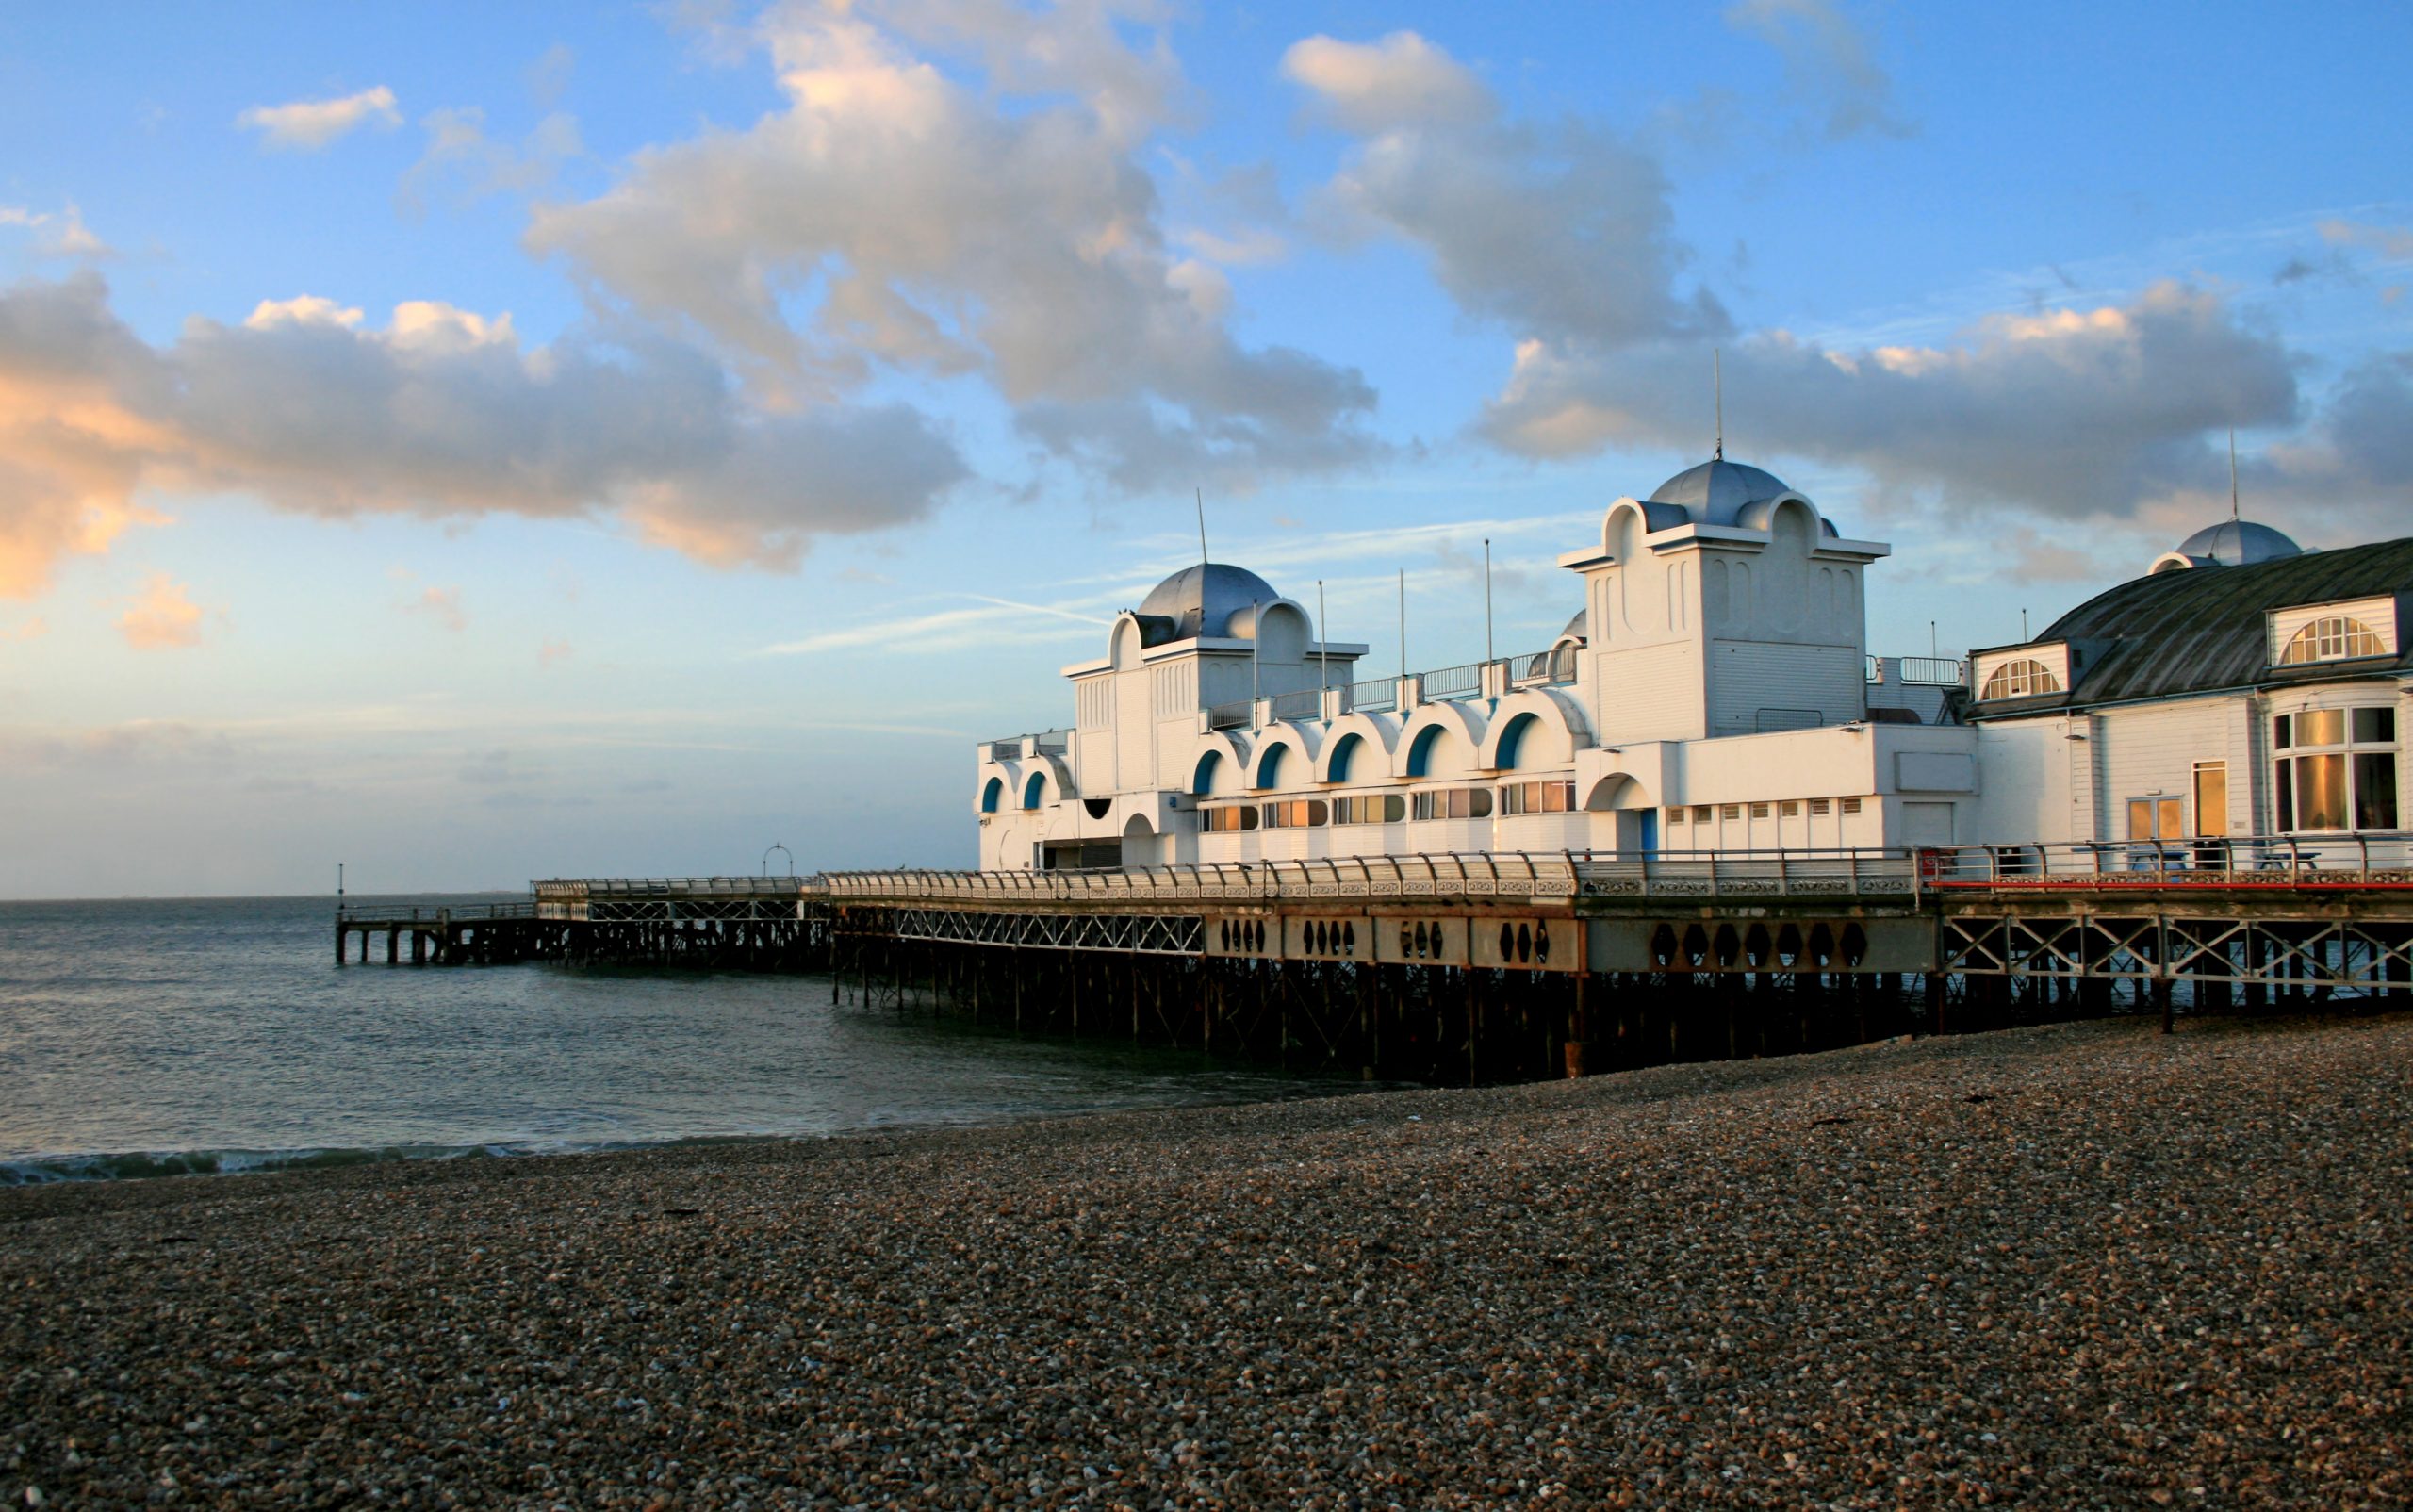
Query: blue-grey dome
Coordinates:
[2238,543]
[1202,600]
[1579,627]
[1715,492]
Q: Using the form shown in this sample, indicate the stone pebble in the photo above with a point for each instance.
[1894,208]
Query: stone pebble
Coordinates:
[2080,1265]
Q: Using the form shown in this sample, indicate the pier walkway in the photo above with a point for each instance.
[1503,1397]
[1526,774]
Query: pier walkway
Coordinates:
[1519,964]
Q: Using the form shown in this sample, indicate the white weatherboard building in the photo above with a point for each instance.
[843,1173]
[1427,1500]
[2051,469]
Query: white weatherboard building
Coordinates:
[1714,693]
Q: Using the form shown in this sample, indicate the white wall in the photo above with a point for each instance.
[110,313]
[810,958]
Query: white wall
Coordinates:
[2151,749]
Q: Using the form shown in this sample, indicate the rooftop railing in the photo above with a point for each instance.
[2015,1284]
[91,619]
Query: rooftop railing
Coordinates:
[1305,704]
[1554,665]
[1452,682]
[1919,672]
[1238,714]
[1377,696]
[1051,743]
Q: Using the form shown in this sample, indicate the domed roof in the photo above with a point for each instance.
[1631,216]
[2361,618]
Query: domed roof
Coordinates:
[1201,600]
[1579,627]
[2238,543]
[1714,492]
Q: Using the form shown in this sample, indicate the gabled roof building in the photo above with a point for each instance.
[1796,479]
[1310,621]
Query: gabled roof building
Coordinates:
[2243,687]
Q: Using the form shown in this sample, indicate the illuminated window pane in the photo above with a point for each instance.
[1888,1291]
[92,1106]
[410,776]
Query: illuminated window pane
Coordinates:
[2331,638]
[2321,792]
[2211,798]
[2021,678]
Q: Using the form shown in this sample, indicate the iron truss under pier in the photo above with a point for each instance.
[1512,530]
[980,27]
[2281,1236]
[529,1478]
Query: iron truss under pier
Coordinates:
[1514,965]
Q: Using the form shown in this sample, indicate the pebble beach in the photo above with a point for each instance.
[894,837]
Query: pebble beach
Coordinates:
[2075,1266]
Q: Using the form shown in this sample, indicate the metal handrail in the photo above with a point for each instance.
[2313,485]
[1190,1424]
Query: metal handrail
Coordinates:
[1051,741]
[433,914]
[670,886]
[1440,876]
[1554,665]
[2264,860]
[1304,704]
[1453,682]
[1377,696]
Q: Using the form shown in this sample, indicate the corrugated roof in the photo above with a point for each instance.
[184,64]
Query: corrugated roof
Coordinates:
[2191,632]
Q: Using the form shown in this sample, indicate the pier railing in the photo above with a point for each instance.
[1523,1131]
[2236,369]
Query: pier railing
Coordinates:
[2309,860]
[1474,875]
[1897,873]
[433,914]
[673,886]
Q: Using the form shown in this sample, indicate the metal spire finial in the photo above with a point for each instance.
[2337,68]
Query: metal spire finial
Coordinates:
[2232,474]
[1202,528]
[1718,386]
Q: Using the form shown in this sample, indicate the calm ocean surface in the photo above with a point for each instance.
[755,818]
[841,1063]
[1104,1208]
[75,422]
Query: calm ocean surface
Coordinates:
[153,1037]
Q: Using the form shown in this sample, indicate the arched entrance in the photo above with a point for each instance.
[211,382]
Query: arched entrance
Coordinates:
[1636,828]
[1139,843]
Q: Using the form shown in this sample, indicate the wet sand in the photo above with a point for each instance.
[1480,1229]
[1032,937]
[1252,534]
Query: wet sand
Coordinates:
[2078,1266]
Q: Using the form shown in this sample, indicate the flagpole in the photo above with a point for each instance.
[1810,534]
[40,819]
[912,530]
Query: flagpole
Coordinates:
[1486,598]
[1323,642]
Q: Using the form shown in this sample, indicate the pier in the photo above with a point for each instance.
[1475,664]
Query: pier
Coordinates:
[1511,966]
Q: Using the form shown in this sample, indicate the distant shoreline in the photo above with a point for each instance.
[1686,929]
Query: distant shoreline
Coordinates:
[2078,1264]
[328,898]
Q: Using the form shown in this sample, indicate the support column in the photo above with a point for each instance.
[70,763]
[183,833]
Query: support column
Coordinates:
[1576,1028]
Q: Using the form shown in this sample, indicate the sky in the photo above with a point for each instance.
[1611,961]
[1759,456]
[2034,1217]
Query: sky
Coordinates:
[476,443]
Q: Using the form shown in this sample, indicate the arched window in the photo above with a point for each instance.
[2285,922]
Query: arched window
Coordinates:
[1510,740]
[1341,755]
[1203,780]
[2332,638]
[2023,678]
[1034,789]
[1268,768]
[1419,755]
[992,794]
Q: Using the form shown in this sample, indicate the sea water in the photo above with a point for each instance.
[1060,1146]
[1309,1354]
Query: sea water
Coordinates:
[152,1037]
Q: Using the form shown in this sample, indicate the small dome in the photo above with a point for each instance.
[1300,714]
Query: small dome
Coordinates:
[1715,492]
[2238,543]
[1578,627]
[1202,600]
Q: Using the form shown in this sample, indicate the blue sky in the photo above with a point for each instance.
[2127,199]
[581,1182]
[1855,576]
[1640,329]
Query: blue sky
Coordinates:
[476,443]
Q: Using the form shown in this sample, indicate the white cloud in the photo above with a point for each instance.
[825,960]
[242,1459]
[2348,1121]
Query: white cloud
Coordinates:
[460,157]
[64,234]
[303,309]
[891,219]
[441,412]
[161,618]
[443,606]
[307,125]
[2076,415]
[1401,81]
[1828,63]
[995,621]
[1561,228]
[2395,243]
